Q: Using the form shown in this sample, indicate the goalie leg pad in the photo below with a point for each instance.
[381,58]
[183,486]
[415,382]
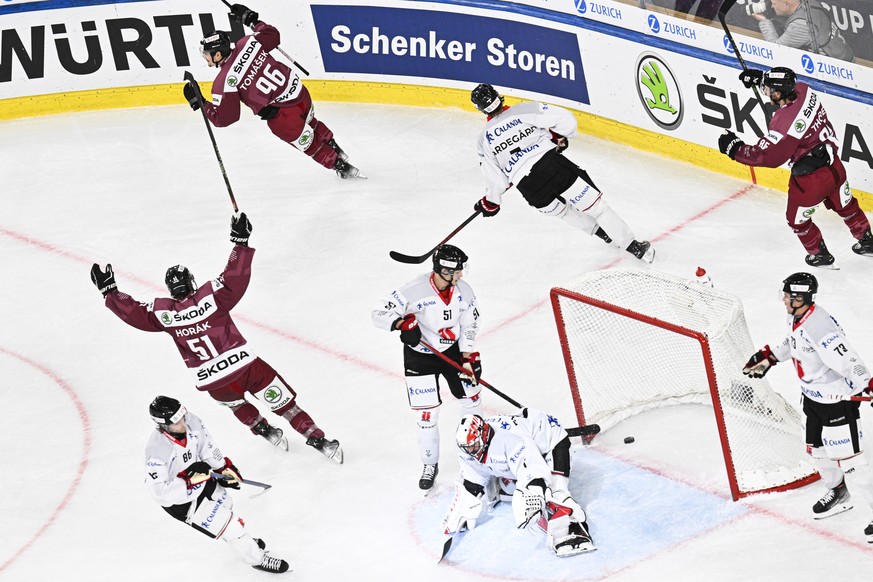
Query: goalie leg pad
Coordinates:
[243,544]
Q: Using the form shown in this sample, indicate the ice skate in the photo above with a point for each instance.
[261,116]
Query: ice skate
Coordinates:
[601,234]
[339,151]
[865,245]
[271,564]
[868,531]
[347,171]
[642,250]
[577,542]
[328,448]
[272,434]
[836,500]
[428,476]
[823,258]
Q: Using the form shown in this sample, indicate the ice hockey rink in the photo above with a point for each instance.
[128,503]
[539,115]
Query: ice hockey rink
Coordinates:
[141,189]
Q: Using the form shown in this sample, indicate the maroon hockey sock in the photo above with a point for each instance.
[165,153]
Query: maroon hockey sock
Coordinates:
[300,421]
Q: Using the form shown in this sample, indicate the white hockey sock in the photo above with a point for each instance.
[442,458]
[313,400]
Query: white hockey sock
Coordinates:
[239,539]
[829,469]
[609,220]
[429,436]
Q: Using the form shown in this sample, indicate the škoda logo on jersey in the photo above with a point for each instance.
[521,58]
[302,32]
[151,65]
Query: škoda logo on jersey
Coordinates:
[659,91]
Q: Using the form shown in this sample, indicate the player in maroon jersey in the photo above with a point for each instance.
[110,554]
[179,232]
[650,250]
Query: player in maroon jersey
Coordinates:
[222,363]
[801,134]
[248,74]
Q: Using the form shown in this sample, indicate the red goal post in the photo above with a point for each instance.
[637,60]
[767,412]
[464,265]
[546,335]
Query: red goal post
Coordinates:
[634,340]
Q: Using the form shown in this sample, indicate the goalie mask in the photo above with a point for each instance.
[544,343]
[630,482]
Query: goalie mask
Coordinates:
[180,282]
[474,435]
[801,286]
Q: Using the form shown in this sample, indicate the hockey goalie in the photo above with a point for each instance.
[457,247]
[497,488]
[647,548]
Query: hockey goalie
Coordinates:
[530,453]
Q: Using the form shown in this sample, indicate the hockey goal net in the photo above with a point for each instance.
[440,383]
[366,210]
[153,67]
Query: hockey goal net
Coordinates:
[634,340]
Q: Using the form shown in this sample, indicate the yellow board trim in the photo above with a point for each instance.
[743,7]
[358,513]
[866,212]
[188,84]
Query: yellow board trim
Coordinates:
[399,94]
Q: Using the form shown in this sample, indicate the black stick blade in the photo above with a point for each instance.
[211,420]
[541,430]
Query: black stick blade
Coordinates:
[587,430]
[446,547]
[410,260]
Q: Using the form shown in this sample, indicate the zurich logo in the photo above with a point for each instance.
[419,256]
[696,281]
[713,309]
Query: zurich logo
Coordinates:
[807,63]
[727,45]
[581,7]
[654,25]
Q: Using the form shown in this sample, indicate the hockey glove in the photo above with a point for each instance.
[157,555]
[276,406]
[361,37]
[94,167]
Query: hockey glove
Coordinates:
[751,77]
[243,14]
[473,366]
[197,473]
[232,473]
[488,209]
[104,280]
[193,95]
[410,333]
[729,143]
[240,229]
[759,364]
[560,141]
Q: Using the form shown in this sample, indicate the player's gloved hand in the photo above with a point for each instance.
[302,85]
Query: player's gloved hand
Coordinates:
[751,77]
[244,14]
[410,333]
[195,474]
[529,503]
[473,366]
[488,209]
[240,229]
[192,94]
[560,141]
[104,280]
[729,143]
[232,473]
[760,363]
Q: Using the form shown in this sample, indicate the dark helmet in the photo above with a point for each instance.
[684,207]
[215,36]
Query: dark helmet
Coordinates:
[448,257]
[165,410]
[780,79]
[180,282]
[803,285]
[217,41]
[474,435]
[486,99]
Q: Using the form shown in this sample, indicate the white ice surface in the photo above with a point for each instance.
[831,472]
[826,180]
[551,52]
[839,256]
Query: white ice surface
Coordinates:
[141,189]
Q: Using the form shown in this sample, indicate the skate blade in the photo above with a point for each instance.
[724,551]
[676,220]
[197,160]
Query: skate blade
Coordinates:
[583,549]
[834,511]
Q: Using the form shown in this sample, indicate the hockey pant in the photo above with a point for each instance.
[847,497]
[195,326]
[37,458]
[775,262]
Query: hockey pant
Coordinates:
[212,514]
[835,445]
[424,373]
[555,186]
[826,185]
[296,124]
[263,382]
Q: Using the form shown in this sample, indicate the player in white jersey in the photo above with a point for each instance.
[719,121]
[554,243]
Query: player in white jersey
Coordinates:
[180,460]
[440,309]
[830,373]
[523,145]
[510,448]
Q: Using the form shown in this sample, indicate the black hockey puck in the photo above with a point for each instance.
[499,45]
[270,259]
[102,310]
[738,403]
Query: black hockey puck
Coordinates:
[628,440]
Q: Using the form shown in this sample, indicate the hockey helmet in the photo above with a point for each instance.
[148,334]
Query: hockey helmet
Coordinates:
[166,411]
[801,285]
[474,435]
[214,42]
[486,99]
[780,79]
[449,257]
[180,282]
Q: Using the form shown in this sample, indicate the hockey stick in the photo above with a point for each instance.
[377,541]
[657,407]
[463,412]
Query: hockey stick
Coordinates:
[463,370]
[189,78]
[223,477]
[448,544]
[400,257]
[722,13]
[587,430]
[278,48]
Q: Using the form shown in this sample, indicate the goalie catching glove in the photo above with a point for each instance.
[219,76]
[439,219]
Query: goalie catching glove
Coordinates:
[760,363]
